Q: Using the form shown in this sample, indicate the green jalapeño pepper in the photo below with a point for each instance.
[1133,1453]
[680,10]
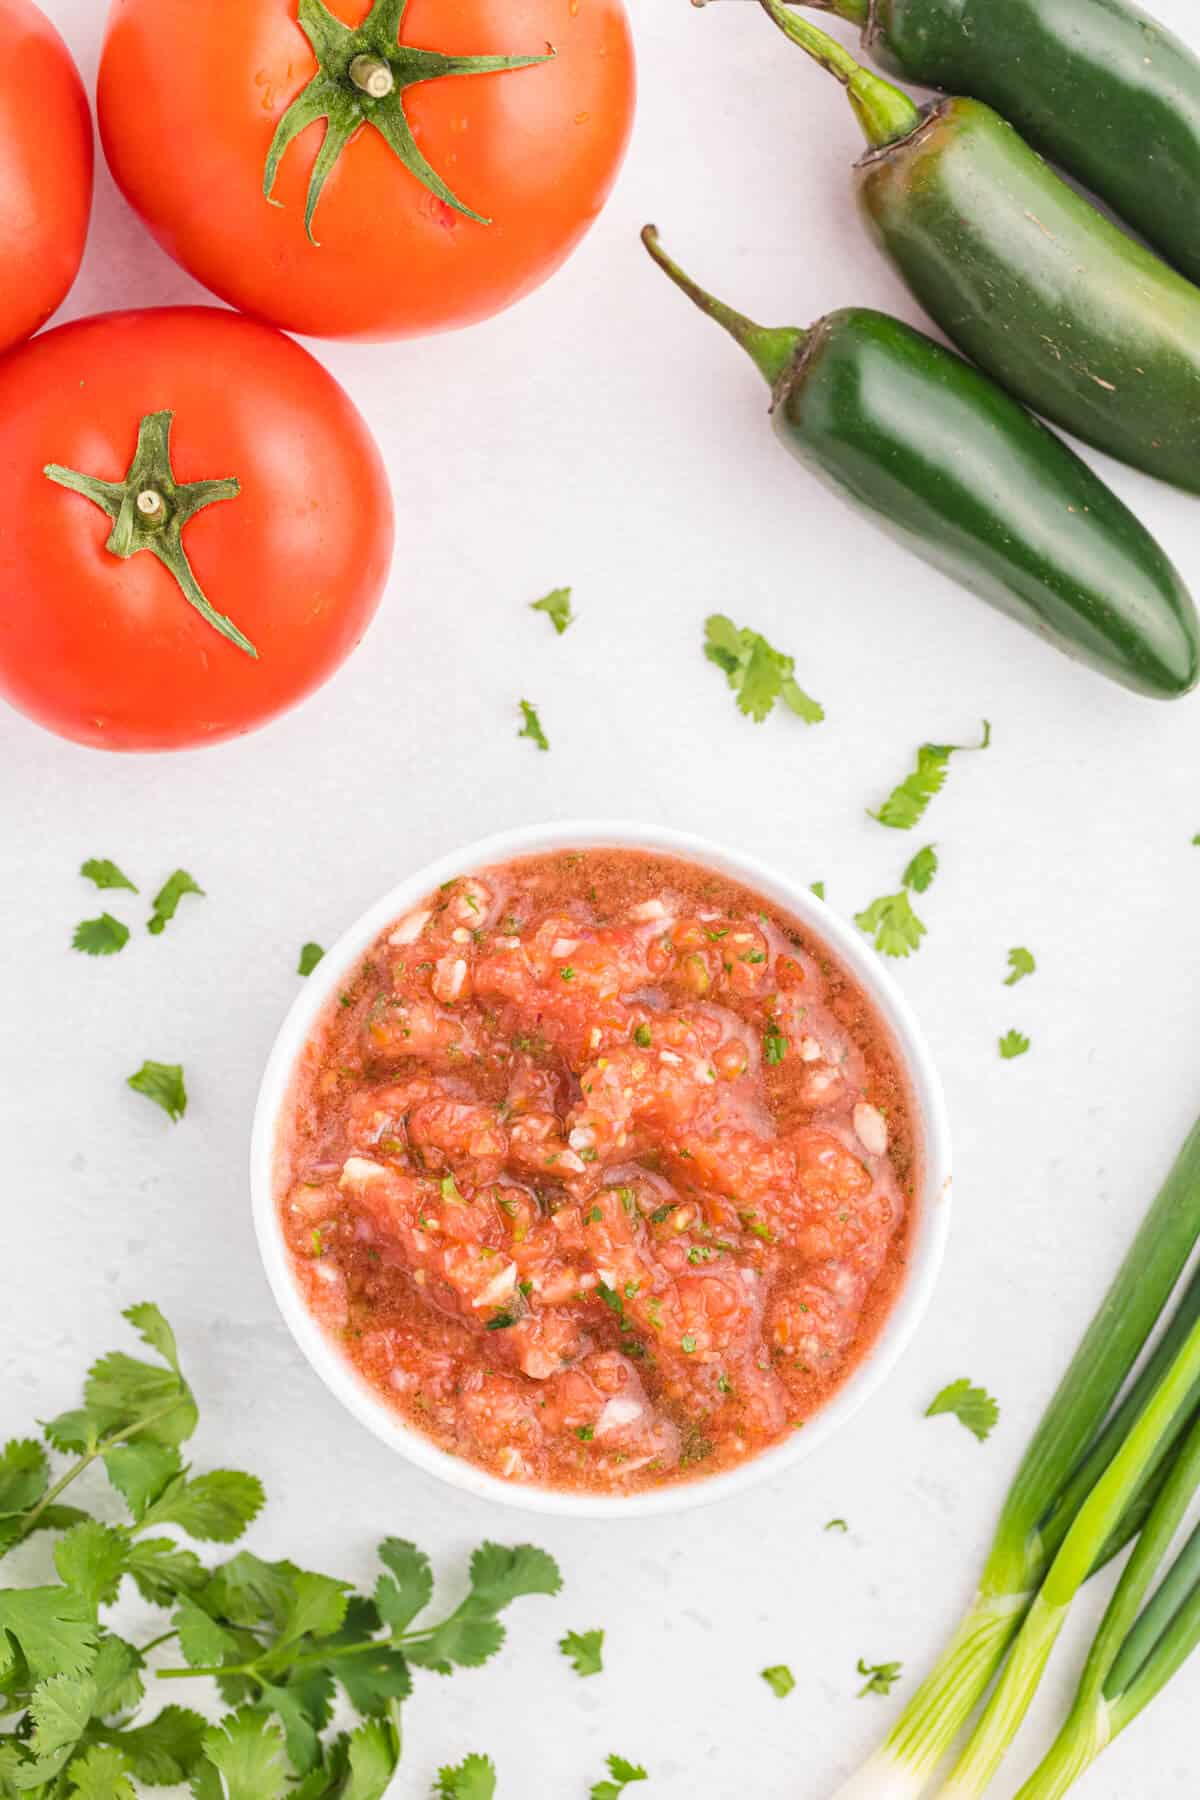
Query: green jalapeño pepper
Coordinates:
[1037,286]
[915,438]
[1095,85]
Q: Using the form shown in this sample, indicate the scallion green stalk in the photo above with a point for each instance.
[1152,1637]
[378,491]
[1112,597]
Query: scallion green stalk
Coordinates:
[1035,1520]
[1133,1656]
[1098,1516]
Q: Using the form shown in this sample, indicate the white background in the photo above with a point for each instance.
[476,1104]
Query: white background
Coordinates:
[603,435]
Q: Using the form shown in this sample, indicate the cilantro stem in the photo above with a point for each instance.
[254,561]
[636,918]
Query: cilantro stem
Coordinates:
[109,1442]
[309,1659]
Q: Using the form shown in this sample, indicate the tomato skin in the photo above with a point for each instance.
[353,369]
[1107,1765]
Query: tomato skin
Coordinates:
[46,166]
[535,150]
[107,651]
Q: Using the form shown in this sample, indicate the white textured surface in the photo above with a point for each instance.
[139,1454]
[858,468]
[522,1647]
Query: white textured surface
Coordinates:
[603,435]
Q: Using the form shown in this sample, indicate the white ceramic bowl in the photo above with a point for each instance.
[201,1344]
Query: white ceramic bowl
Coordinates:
[933,1202]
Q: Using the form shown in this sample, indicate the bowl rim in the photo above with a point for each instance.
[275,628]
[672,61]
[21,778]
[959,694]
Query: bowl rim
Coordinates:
[934,1205]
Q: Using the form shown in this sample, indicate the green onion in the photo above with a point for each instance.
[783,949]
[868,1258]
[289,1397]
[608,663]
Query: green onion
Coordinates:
[1085,1485]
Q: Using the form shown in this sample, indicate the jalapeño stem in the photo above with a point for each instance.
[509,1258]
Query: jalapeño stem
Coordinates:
[885,113]
[770,348]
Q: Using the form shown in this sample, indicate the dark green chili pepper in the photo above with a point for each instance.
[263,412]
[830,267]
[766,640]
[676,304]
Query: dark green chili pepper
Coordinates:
[1042,290]
[1096,85]
[912,435]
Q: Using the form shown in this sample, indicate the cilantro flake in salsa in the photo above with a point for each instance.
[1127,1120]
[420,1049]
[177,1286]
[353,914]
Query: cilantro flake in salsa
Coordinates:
[611,1166]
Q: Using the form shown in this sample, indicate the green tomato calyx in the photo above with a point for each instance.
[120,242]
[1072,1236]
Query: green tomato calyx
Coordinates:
[362,78]
[149,510]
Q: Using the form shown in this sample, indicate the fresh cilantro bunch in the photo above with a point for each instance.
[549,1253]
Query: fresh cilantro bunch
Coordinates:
[279,1641]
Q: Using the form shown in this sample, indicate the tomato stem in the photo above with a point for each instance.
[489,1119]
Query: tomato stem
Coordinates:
[373,76]
[149,510]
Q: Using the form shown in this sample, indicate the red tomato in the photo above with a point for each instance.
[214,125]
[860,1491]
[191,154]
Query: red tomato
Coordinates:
[45,170]
[191,96]
[289,544]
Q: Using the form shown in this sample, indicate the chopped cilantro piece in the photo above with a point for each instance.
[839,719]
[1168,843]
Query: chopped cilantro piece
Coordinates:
[1021,963]
[642,1037]
[310,956]
[532,728]
[557,608]
[585,1433]
[167,899]
[162,1083]
[450,1191]
[101,937]
[1013,1043]
[881,1677]
[687,1344]
[585,1649]
[837,1525]
[758,674]
[921,870]
[106,874]
[472,1779]
[818,888]
[775,1045]
[567,974]
[500,1321]
[779,1679]
[893,924]
[971,1406]
[906,804]
[621,1773]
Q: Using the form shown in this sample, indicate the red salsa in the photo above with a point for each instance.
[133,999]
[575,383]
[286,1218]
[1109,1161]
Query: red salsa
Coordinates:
[600,1170]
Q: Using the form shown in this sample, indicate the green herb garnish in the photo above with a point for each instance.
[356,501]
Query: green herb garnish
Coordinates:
[310,956]
[557,608]
[532,728]
[166,901]
[162,1083]
[779,1679]
[106,874]
[758,674]
[906,804]
[100,937]
[585,1649]
[971,1406]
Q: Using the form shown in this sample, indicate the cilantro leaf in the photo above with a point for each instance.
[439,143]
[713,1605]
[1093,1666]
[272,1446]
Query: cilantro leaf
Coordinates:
[472,1779]
[154,1331]
[836,1525]
[100,937]
[893,924]
[622,1773]
[758,674]
[557,608]
[779,1679]
[906,804]
[304,1708]
[106,874]
[1021,963]
[247,1751]
[24,1477]
[50,1628]
[921,870]
[817,888]
[162,1083]
[166,901]
[881,1677]
[1013,1043]
[59,1710]
[372,1755]
[167,1748]
[116,1674]
[500,1575]
[532,728]
[407,1589]
[971,1406]
[585,1649]
[101,1774]
[90,1560]
[204,1643]
[310,956]
[215,1508]
[140,1471]
[162,1571]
